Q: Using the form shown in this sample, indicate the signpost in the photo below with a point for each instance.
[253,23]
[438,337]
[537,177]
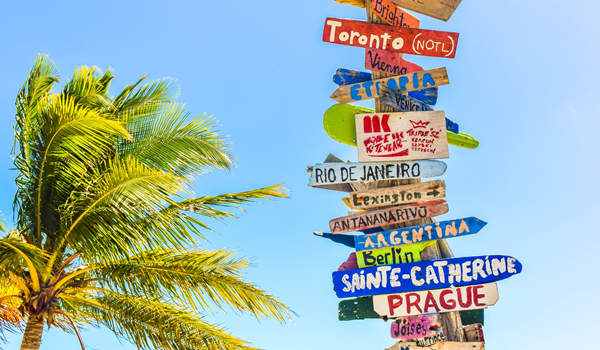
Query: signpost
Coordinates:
[413,327]
[404,83]
[398,195]
[394,39]
[393,15]
[378,218]
[439,300]
[417,234]
[424,275]
[339,173]
[401,136]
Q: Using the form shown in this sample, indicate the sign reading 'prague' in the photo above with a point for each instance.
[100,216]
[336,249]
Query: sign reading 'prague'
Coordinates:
[401,40]
[424,275]
[401,136]
[440,300]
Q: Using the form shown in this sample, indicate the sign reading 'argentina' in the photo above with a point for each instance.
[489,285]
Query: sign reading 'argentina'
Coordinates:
[424,275]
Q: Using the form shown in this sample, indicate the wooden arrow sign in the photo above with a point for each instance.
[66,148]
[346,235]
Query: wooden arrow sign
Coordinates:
[345,76]
[403,83]
[393,15]
[389,62]
[394,39]
[417,234]
[347,240]
[401,136]
[440,9]
[404,194]
[391,256]
[388,216]
[446,345]
[424,275]
[402,102]
[340,173]
[413,327]
[439,300]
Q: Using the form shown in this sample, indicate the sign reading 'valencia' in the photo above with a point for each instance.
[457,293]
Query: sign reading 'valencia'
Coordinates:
[405,194]
[439,300]
[400,40]
[417,234]
[424,275]
[401,136]
[394,215]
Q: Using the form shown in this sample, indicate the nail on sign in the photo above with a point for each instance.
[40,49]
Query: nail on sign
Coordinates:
[424,275]
[439,300]
[400,40]
[401,136]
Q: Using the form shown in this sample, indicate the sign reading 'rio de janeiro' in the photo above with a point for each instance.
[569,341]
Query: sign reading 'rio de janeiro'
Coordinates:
[340,173]
[404,83]
[398,195]
[377,218]
[424,275]
[400,40]
[401,136]
[417,234]
[439,300]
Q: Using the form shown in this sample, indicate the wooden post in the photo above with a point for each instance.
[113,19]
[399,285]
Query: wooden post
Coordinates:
[451,320]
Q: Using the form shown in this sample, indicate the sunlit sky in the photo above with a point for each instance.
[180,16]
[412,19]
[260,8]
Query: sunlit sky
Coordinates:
[523,82]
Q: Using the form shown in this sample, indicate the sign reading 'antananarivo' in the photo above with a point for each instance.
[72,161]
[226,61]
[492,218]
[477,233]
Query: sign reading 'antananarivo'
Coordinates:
[394,215]
[417,234]
[424,275]
[400,40]
[404,194]
[339,173]
[401,136]
[439,300]
[404,83]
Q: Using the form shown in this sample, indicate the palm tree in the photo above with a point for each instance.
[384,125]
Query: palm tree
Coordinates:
[105,226]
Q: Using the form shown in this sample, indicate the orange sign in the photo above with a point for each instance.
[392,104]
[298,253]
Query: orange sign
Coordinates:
[392,14]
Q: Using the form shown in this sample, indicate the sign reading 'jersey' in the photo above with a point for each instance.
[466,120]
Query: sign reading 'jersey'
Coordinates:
[401,136]
[391,38]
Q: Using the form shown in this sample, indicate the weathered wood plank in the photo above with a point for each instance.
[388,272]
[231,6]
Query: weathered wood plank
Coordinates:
[345,76]
[472,316]
[401,136]
[402,102]
[391,256]
[417,234]
[350,264]
[413,327]
[474,333]
[347,240]
[393,15]
[404,83]
[438,301]
[342,187]
[388,216]
[424,275]
[388,62]
[357,3]
[440,9]
[394,39]
[345,173]
[396,195]
[447,345]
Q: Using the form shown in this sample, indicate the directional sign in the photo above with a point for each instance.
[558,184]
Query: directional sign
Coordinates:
[439,300]
[388,62]
[401,136]
[340,173]
[416,234]
[390,256]
[462,140]
[446,345]
[413,327]
[403,83]
[398,195]
[345,76]
[440,9]
[388,216]
[347,240]
[394,39]
[393,15]
[433,274]
[402,102]
[474,332]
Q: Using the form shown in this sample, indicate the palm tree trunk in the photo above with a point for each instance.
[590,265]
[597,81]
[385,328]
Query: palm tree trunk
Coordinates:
[32,338]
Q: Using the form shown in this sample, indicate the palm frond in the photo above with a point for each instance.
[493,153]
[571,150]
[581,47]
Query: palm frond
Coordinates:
[17,256]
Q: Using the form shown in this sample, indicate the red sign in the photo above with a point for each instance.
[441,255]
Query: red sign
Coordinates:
[394,39]
[390,13]
[389,62]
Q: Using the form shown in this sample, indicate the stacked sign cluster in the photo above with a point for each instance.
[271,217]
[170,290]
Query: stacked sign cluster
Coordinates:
[393,221]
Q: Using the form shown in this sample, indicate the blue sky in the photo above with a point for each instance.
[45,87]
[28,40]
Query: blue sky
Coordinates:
[523,82]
